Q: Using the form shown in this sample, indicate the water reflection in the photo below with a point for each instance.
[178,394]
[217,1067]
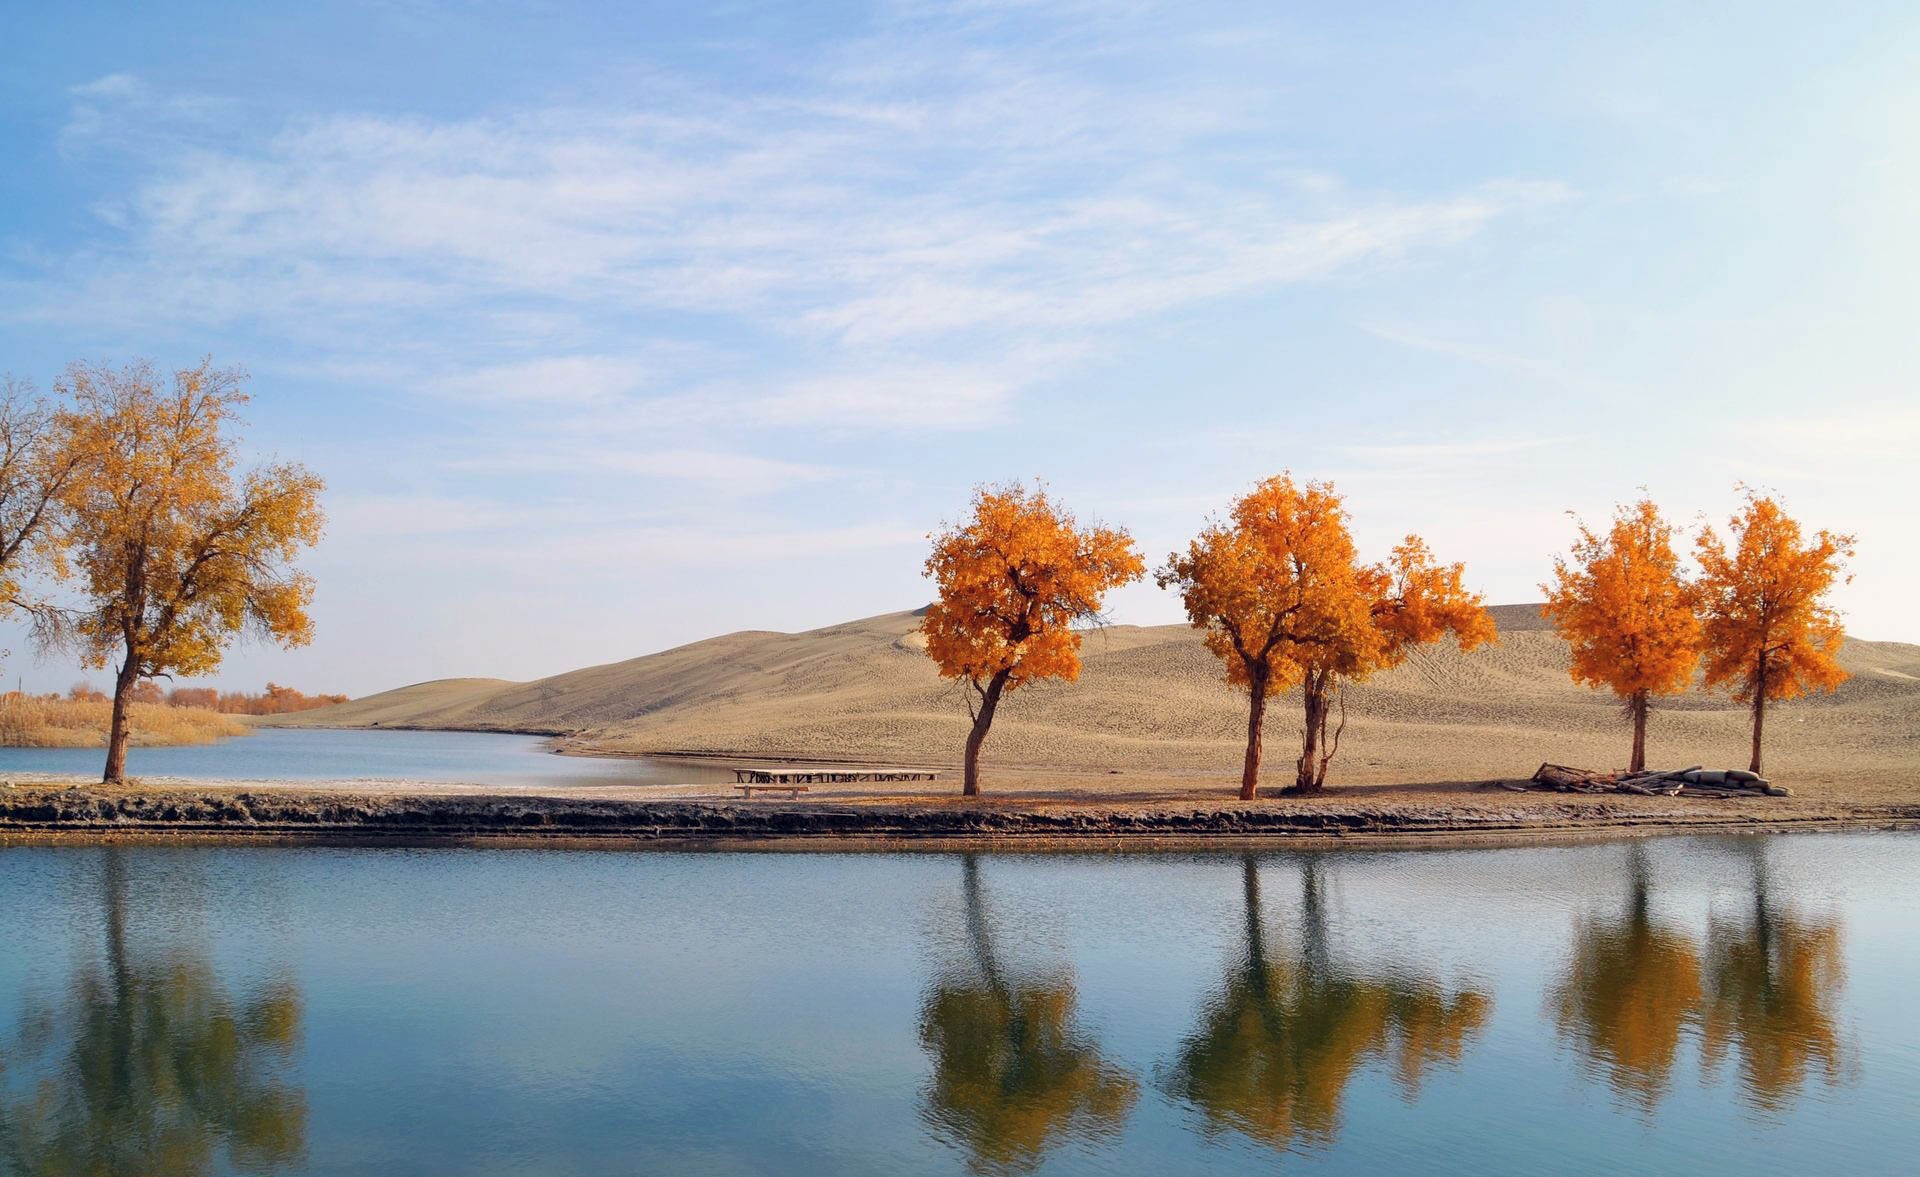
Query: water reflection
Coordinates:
[1774,988]
[1632,986]
[150,1066]
[1289,1027]
[1766,988]
[1013,1075]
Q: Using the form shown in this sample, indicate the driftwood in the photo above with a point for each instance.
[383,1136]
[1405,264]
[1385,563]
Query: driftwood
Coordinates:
[1691,782]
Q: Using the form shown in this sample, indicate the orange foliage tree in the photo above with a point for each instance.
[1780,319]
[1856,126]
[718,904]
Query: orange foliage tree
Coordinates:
[176,552]
[1014,581]
[1769,630]
[1627,612]
[1283,599]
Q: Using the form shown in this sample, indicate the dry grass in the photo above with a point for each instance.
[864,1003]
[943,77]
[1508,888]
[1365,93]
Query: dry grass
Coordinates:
[30,722]
[1151,712]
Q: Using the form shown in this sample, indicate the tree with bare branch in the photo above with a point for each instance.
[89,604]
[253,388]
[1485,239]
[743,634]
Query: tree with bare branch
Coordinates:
[36,468]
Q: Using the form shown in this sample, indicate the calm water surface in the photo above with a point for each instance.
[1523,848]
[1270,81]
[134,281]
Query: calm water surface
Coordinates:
[1735,1005]
[310,754]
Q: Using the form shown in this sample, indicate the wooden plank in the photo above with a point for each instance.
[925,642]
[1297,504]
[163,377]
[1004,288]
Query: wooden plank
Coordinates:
[777,776]
[792,791]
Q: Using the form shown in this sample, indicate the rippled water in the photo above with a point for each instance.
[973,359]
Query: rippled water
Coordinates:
[1736,1005]
[314,754]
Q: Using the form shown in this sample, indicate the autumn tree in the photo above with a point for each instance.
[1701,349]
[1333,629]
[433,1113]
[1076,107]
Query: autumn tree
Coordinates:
[176,551]
[1769,630]
[1623,606]
[35,470]
[1279,589]
[1015,582]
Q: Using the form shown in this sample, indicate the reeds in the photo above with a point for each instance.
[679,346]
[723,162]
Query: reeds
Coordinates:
[37,721]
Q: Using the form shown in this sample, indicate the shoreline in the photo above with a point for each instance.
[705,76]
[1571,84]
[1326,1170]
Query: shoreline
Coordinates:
[292,814]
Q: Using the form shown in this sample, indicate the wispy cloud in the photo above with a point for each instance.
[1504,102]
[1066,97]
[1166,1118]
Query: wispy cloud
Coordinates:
[888,211]
[1536,370]
[734,473]
[551,380]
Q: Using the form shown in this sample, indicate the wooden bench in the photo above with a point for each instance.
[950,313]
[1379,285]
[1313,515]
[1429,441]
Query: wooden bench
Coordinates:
[792,791]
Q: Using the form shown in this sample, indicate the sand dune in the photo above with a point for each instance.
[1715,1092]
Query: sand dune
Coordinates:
[1151,702]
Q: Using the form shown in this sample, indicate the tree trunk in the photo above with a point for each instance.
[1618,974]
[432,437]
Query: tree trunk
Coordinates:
[1637,704]
[982,720]
[1256,937]
[1759,711]
[1256,723]
[1307,775]
[123,684]
[978,930]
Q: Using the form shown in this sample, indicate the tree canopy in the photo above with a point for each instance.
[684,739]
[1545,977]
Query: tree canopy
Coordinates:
[1769,630]
[1015,582]
[1283,599]
[1627,613]
[175,549]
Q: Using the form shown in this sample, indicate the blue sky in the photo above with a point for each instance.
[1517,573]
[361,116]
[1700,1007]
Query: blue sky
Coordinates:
[617,326]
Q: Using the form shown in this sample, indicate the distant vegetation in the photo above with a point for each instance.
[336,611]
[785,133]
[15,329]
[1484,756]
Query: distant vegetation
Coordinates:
[275,700]
[56,721]
[83,717]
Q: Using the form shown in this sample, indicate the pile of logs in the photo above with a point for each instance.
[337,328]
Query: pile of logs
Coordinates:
[1690,782]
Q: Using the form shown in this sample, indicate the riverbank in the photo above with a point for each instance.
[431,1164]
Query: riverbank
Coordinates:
[402,812]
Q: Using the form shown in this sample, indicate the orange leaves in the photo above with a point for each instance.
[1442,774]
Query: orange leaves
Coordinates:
[1768,629]
[1013,581]
[1281,593]
[1622,604]
[1757,611]
[1424,602]
[1279,590]
[176,554]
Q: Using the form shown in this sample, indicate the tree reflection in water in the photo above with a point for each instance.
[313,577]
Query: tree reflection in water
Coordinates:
[1632,986]
[1774,984]
[1767,990]
[1013,1076]
[1286,1032]
[150,1067]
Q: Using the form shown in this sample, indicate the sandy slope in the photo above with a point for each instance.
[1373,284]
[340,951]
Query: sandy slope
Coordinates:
[1151,705]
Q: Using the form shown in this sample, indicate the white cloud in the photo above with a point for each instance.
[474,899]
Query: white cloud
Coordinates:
[982,193]
[565,380]
[112,87]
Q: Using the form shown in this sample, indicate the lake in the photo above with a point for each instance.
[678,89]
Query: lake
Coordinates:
[319,754]
[1674,1005]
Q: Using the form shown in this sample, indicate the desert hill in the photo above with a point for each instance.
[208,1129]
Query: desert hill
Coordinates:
[1151,701]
